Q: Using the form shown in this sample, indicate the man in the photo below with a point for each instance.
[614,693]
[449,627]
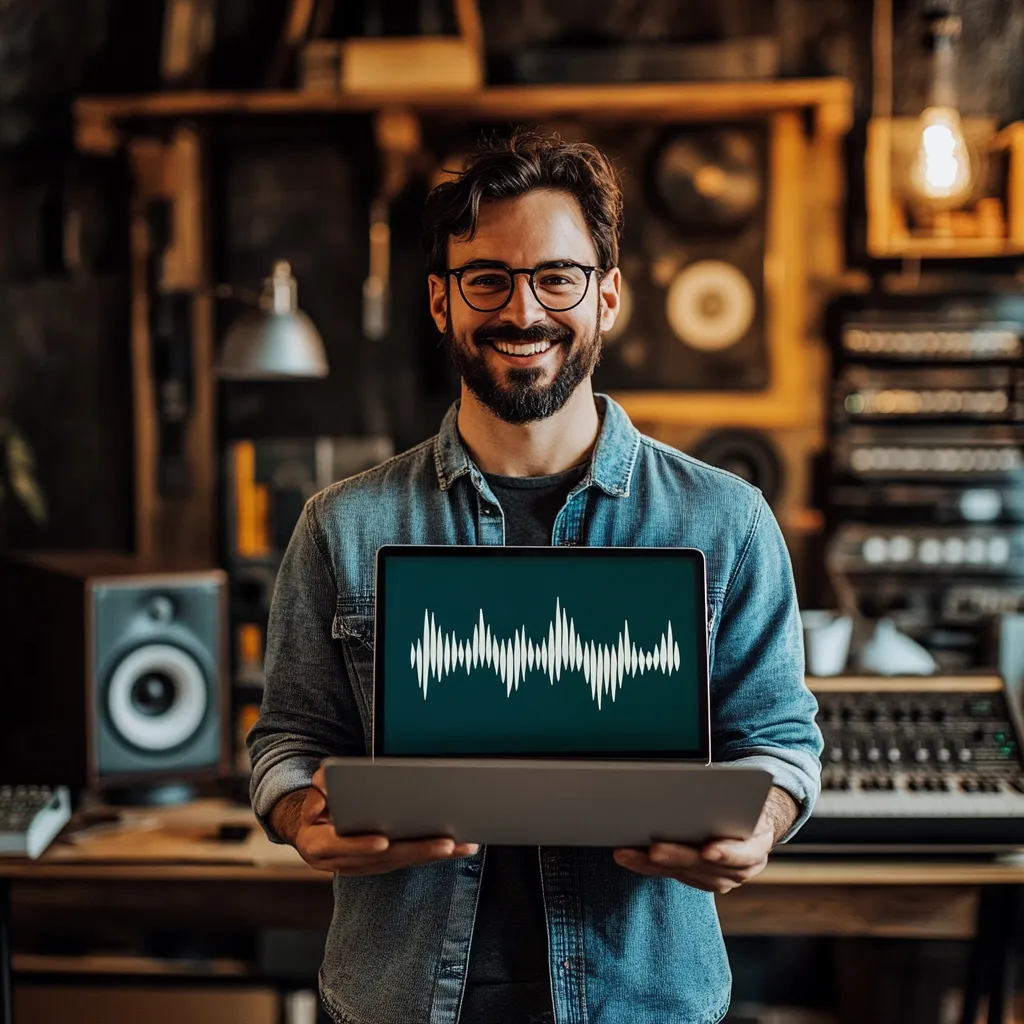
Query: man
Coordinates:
[522,251]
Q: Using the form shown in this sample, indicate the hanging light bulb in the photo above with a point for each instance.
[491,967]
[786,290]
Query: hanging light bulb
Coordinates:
[941,171]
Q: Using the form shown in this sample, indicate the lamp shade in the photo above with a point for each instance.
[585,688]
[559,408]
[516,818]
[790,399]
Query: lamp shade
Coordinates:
[277,341]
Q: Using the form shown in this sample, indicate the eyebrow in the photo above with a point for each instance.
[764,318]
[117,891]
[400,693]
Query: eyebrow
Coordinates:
[481,262]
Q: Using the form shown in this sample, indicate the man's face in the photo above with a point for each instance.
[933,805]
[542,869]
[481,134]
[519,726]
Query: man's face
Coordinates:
[539,227]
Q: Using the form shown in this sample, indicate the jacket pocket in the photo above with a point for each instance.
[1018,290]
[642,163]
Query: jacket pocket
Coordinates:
[353,628]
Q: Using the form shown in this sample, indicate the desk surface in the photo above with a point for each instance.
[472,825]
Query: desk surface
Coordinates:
[788,871]
[181,844]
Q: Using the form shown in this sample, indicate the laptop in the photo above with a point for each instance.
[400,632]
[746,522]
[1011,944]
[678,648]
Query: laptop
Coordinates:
[487,651]
[517,688]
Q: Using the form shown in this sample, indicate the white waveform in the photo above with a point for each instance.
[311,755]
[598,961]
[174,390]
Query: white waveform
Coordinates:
[438,654]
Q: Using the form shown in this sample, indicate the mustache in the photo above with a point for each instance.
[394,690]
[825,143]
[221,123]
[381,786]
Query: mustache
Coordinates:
[509,332]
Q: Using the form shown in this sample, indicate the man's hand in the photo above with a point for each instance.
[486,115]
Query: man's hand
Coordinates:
[723,864]
[302,819]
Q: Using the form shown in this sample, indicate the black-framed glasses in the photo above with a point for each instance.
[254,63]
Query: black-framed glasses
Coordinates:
[488,286]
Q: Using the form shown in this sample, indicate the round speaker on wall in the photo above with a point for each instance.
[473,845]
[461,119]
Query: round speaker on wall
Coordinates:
[708,179]
[749,455]
[710,305]
[158,697]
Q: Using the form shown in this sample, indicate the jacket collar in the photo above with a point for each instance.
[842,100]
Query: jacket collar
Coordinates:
[611,466]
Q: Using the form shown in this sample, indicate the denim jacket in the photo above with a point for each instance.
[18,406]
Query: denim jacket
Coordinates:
[621,946]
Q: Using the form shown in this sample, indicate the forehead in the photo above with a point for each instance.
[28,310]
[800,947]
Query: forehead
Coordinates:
[529,229]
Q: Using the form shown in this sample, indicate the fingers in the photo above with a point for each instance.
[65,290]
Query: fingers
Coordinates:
[323,849]
[320,842]
[739,853]
[406,855]
[687,865]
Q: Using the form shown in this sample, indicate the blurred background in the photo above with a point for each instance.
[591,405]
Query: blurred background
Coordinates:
[213,303]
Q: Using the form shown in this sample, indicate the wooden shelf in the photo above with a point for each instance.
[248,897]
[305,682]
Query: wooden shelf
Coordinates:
[949,248]
[117,964]
[97,117]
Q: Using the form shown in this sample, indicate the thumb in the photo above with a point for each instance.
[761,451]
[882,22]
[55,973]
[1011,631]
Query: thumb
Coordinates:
[314,806]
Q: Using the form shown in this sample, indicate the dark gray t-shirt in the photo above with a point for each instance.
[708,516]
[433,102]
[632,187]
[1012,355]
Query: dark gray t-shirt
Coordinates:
[508,980]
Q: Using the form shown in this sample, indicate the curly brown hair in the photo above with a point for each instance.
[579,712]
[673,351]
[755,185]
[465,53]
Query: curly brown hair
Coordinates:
[528,160]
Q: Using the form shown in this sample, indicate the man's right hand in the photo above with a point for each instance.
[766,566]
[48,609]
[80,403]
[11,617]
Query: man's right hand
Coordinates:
[302,819]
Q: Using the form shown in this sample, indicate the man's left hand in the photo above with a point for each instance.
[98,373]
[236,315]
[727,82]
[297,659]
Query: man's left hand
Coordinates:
[723,864]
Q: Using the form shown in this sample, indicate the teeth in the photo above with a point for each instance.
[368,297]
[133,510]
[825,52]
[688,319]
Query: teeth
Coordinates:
[521,350]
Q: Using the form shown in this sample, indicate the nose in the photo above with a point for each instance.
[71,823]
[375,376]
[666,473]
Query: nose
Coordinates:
[522,309]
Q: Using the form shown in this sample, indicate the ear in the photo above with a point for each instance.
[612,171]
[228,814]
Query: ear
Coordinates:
[610,296]
[438,301]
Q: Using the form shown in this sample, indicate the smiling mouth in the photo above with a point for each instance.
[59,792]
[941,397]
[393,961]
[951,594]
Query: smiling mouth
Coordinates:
[531,348]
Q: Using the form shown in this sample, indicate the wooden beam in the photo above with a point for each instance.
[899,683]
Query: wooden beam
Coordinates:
[179,529]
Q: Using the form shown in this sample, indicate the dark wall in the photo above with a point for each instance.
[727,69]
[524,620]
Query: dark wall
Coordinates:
[299,191]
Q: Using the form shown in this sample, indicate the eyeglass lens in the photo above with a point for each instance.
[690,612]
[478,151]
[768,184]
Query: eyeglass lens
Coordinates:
[556,288]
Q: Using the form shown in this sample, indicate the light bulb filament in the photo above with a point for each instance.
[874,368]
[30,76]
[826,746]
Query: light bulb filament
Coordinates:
[942,165]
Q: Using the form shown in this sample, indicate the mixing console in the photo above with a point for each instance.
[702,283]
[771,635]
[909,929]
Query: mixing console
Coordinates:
[911,761]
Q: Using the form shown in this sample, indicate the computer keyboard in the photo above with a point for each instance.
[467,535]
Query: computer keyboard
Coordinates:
[31,817]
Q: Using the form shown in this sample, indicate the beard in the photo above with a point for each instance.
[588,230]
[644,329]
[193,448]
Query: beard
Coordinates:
[520,397]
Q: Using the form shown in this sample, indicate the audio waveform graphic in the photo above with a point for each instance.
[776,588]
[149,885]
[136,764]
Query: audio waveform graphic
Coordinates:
[438,654]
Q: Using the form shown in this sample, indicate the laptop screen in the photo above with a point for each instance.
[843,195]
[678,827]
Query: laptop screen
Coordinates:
[518,651]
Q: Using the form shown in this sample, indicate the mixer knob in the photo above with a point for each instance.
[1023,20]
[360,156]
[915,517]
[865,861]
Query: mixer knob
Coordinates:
[939,715]
[853,754]
[893,754]
[964,753]
[921,753]
[873,753]
[835,754]
[942,753]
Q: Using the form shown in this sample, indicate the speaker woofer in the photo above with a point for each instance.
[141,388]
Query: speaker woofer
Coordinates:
[158,697]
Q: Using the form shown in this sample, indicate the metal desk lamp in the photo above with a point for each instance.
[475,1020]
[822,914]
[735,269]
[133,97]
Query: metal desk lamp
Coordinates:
[277,341]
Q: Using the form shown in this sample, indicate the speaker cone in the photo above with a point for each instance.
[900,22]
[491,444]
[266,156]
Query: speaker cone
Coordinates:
[157,697]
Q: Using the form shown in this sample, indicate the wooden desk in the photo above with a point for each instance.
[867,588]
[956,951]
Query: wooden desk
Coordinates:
[166,866]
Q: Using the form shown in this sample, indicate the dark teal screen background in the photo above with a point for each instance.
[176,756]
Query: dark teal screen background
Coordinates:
[471,714]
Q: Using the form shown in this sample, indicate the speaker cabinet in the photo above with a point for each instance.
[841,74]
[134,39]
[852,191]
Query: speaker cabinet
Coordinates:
[692,257]
[114,672]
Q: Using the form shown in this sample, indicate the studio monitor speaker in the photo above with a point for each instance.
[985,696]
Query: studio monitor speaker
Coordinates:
[113,672]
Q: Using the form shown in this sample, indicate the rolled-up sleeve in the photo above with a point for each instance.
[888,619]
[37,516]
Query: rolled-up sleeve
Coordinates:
[308,711]
[762,713]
